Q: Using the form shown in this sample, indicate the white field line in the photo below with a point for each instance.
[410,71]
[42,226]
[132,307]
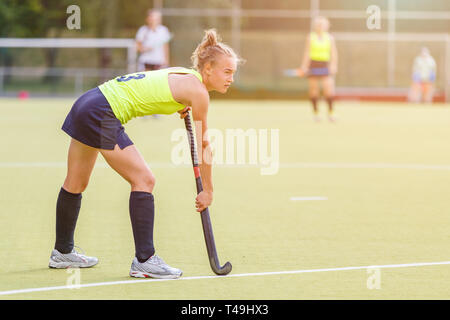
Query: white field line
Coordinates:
[308,198]
[299,165]
[100,284]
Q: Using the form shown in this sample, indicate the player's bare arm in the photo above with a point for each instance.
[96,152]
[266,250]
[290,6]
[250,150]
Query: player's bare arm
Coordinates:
[189,91]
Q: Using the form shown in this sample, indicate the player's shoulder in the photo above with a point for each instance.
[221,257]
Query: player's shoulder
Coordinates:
[195,89]
[142,29]
[195,86]
[189,87]
[163,28]
[141,32]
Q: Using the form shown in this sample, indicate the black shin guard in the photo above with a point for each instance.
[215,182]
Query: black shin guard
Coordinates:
[67,210]
[142,214]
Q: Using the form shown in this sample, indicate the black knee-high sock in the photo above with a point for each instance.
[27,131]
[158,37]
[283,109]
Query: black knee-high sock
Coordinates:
[314,104]
[67,210]
[142,215]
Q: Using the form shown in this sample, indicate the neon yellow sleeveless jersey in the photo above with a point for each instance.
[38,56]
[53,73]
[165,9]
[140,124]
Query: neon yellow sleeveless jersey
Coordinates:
[143,93]
[320,48]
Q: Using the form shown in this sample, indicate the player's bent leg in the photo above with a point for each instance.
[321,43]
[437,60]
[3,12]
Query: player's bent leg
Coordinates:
[130,164]
[81,161]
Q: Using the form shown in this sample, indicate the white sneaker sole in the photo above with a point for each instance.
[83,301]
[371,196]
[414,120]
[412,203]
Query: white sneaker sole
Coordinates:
[139,274]
[65,265]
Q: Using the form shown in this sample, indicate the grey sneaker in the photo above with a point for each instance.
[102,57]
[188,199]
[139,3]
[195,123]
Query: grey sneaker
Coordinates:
[74,259]
[154,267]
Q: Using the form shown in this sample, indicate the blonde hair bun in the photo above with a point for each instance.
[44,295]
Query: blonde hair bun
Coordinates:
[209,48]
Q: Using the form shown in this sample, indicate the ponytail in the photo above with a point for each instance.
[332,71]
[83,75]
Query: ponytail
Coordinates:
[209,48]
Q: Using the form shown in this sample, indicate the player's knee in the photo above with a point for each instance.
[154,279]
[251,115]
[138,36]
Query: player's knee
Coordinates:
[145,182]
[314,93]
[329,92]
[75,186]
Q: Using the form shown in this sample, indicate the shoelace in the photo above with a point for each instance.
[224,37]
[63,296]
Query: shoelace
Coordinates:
[158,260]
[75,251]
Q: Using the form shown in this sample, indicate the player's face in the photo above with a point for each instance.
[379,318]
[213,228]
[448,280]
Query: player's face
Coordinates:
[221,73]
[153,19]
[322,25]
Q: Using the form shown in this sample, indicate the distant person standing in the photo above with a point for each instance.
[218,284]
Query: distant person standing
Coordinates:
[320,65]
[423,77]
[152,42]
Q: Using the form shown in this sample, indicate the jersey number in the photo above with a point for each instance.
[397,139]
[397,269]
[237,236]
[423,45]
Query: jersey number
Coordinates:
[128,78]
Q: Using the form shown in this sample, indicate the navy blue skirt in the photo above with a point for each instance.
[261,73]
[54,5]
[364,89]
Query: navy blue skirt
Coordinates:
[92,122]
[318,69]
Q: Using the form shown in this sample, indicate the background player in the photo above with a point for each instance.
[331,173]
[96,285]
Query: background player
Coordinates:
[320,64]
[423,77]
[152,41]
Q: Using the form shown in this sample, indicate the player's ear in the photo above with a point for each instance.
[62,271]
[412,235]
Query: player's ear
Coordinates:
[208,68]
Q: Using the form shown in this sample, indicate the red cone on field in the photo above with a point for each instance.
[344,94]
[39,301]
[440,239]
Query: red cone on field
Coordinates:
[23,95]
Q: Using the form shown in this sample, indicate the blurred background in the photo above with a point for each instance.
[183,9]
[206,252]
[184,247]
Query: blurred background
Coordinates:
[41,56]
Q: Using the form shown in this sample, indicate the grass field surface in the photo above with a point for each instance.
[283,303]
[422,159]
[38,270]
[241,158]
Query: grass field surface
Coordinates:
[378,229]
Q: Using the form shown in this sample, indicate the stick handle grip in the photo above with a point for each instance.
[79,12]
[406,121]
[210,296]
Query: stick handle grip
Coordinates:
[191,138]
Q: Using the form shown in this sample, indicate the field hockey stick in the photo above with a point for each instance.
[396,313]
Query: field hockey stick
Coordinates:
[293,73]
[206,221]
